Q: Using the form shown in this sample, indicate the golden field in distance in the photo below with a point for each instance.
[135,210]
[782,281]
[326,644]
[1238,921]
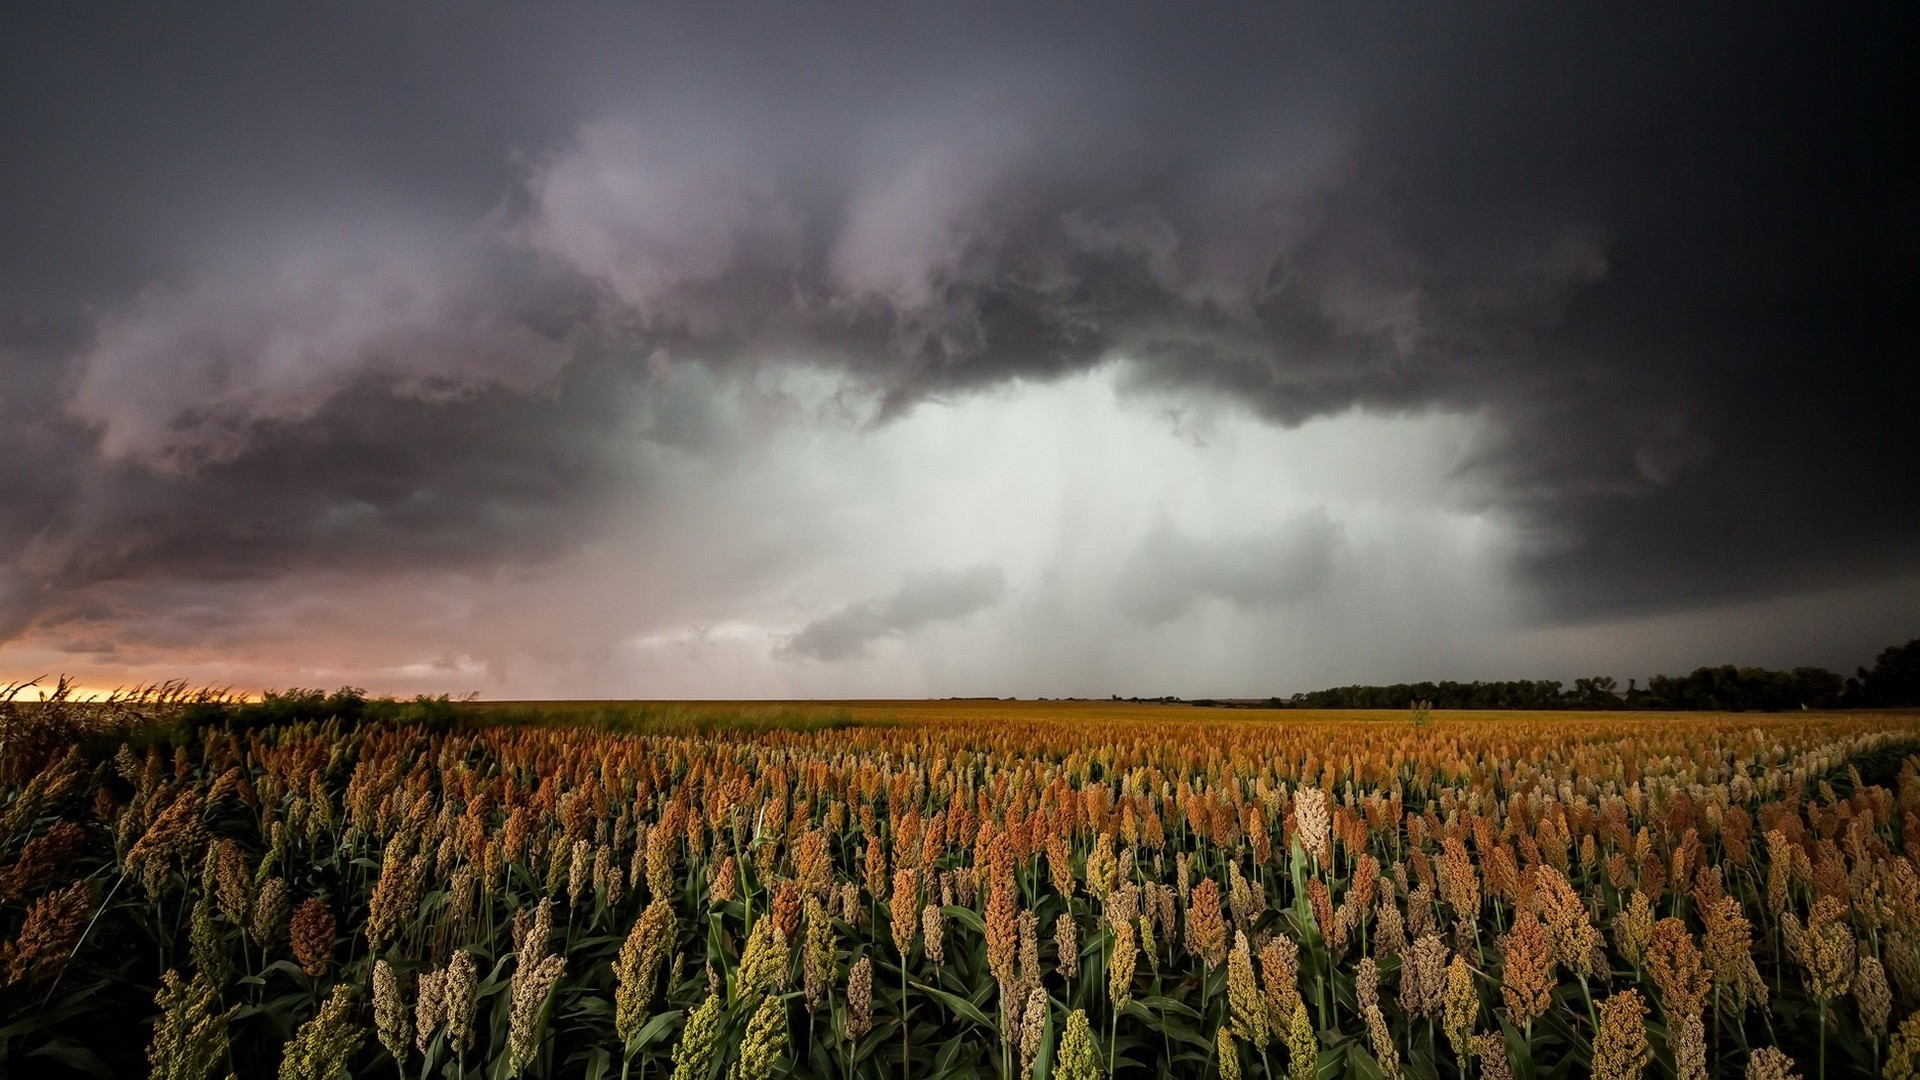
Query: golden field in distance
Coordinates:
[1097,710]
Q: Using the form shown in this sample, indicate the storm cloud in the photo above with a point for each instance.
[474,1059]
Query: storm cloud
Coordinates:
[426,309]
[1171,572]
[935,596]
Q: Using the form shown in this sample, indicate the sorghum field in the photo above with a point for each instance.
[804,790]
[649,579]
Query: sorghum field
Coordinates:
[956,889]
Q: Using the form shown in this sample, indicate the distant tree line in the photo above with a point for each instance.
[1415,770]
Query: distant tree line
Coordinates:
[350,706]
[1894,680]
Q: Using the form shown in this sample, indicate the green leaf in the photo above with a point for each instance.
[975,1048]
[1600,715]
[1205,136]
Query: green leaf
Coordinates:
[653,1029]
[1174,1029]
[1167,1004]
[949,1053]
[73,1057]
[1043,1064]
[959,1005]
[966,917]
[590,1005]
[1361,1063]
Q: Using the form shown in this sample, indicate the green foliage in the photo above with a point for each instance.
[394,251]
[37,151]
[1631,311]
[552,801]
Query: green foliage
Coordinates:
[1422,713]
[348,706]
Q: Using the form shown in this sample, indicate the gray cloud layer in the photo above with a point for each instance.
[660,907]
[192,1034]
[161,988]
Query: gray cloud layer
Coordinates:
[369,292]
[925,598]
[1171,572]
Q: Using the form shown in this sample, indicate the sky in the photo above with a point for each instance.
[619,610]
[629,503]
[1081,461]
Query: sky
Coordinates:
[877,350]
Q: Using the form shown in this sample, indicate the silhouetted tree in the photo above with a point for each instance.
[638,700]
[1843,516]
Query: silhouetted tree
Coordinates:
[1894,678]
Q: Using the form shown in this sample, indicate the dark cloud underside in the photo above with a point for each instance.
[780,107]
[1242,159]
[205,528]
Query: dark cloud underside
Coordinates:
[363,290]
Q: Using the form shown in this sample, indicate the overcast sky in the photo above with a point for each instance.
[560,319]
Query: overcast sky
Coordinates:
[873,350]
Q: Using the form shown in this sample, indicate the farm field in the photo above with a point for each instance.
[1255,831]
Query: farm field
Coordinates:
[1462,458]
[957,888]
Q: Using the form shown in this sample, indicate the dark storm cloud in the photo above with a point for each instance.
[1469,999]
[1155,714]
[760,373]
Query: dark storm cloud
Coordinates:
[360,288]
[932,597]
[374,482]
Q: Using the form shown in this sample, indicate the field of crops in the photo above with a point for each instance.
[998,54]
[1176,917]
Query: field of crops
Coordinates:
[1062,890]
